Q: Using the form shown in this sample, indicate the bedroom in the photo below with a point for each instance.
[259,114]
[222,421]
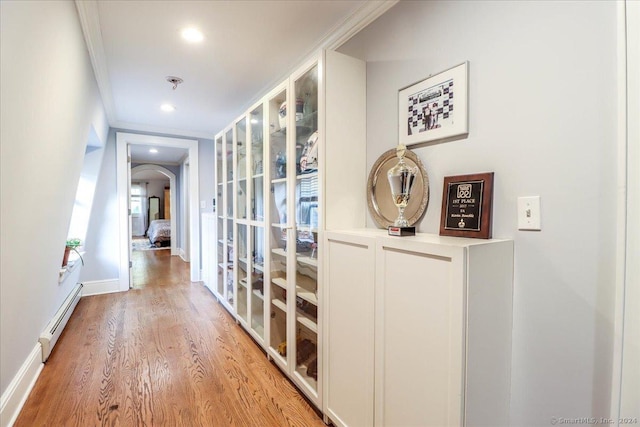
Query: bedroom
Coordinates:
[150,213]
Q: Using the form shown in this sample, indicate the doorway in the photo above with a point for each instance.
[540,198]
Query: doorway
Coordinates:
[150,175]
[124,141]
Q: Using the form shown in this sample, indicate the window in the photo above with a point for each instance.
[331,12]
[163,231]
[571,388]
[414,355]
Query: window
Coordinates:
[136,199]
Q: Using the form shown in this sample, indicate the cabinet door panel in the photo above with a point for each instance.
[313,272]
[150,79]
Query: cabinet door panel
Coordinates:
[241,263]
[349,297]
[241,168]
[278,229]
[306,219]
[220,211]
[420,374]
[256,289]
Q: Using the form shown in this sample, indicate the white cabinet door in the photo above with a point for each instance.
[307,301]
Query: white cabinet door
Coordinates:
[349,296]
[420,336]
[443,331]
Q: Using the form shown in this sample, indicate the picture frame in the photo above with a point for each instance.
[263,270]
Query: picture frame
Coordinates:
[426,109]
[467,204]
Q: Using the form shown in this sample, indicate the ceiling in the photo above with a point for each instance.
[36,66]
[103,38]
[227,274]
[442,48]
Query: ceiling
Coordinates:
[162,156]
[248,47]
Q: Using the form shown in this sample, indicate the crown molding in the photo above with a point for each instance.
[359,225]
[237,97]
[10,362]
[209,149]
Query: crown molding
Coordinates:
[171,132]
[90,22]
[355,23]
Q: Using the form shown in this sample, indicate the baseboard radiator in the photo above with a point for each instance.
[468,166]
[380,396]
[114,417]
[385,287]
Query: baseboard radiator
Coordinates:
[52,332]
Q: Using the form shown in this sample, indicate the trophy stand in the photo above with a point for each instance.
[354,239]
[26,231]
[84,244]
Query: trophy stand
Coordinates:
[401,178]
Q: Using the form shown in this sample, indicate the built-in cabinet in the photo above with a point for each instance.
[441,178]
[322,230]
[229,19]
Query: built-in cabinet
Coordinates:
[223,286]
[288,169]
[418,330]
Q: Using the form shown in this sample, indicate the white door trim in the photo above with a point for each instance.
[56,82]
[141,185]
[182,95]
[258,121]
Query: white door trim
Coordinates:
[186,193]
[626,337]
[123,140]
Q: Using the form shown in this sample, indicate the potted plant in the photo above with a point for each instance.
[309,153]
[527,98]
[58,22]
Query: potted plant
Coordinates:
[71,245]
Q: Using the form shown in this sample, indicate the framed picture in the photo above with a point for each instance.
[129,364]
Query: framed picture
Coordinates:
[434,108]
[466,206]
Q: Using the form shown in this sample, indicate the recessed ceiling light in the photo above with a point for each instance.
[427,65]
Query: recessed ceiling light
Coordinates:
[153,150]
[167,107]
[192,35]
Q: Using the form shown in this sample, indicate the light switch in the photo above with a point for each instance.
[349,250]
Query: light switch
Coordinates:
[203,204]
[529,213]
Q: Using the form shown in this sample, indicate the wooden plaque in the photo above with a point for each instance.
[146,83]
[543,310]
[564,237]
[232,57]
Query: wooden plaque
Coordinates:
[466,206]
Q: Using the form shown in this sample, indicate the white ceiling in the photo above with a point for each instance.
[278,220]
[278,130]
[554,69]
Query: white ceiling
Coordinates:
[249,47]
[164,156]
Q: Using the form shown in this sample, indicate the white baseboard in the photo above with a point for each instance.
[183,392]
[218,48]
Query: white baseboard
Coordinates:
[16,394]
[183,255]
[99,287]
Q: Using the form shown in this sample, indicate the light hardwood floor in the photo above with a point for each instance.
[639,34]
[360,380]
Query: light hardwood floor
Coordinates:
[162,354]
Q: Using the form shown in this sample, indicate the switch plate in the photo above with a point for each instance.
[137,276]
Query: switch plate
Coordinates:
[203,204]
[529,213]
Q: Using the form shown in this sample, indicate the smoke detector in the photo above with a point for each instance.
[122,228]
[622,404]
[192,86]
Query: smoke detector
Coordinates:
[175,81]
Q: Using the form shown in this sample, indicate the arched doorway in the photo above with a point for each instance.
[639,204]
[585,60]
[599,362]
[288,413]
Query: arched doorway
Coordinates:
[141,169]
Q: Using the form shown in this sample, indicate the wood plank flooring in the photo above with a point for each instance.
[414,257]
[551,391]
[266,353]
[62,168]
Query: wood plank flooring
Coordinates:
[163,354]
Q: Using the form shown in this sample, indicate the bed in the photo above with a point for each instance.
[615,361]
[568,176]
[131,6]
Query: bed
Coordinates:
[159,232]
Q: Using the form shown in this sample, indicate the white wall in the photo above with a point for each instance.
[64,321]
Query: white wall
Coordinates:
[543,118]
[48,103]
[206,154]
[102,256]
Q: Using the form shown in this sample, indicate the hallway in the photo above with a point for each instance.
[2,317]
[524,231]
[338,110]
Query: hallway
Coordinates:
[163,354]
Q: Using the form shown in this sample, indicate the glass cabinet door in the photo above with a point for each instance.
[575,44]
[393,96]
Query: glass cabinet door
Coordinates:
[228,155]
[241,168]
[257,223]
[240,260]
[242,264]
[256,165]
[278,224]
[306,219]
[256,286]
[228,159]
[220,221]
